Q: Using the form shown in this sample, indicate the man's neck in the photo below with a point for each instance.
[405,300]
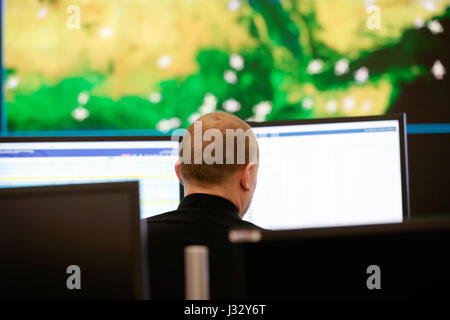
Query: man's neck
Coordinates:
[226,193]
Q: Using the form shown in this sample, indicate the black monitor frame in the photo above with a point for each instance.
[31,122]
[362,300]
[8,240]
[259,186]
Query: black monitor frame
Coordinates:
[92,139]
[331,262]
[400,117]
[139,250]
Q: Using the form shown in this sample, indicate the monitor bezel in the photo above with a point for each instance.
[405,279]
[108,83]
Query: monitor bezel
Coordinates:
[93,139]
[400,117]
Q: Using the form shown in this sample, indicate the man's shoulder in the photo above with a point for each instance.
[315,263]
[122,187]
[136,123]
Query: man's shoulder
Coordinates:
[162,217]
[201,217]
[247,225]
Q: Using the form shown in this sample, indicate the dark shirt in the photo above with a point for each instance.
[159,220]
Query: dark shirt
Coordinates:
[200,219]
[202,210]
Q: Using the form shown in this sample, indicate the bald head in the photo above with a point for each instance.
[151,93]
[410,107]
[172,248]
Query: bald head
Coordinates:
[216,146]
[221,121]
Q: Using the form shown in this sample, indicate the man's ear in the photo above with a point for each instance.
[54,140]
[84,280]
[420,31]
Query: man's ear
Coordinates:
[245,176]
[178,171]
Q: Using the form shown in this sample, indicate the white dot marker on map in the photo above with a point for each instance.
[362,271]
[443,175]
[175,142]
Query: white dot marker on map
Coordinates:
[315,66]
[83,98]
[163,125]
[231,105]
[174,123]
[80,113]
[435,27]
[106,32]
[230,76]
[262,109]
[307,103]
[438,70]
[234,5]
[341,67]
[155,97]
[12,82]
[42,13]
[361,75]
[331,106]
[210,99]
[429,5]
[419,22]
[349,103]
[164,61]
[236,62]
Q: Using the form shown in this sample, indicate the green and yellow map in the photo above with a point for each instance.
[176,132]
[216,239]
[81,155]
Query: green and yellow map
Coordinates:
[153,64]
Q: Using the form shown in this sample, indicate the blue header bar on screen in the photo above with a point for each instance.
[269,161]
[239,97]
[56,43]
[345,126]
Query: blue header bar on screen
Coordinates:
[322,132]
[25,153]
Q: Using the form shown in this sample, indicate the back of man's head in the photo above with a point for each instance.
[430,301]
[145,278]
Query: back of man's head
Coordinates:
[215,146]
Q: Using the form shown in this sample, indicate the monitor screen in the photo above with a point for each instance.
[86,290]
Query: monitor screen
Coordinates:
[33,163]
[328,174]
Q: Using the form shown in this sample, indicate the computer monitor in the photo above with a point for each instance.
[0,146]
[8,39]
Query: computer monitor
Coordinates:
[382,261]
[72,242]
[331,172]
[68,160]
